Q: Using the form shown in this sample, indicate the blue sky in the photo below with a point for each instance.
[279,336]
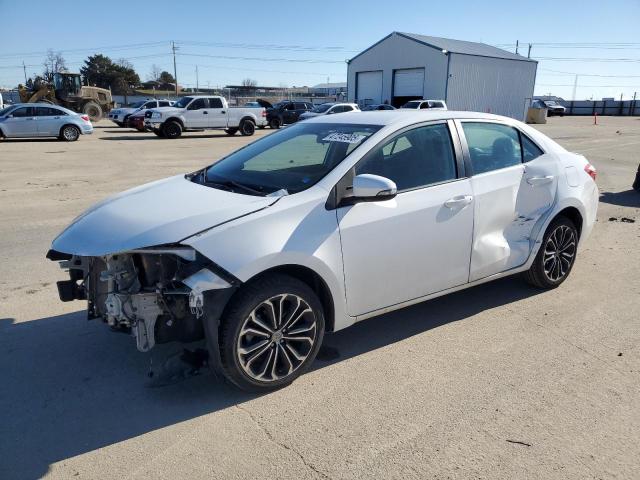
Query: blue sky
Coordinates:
[299,43]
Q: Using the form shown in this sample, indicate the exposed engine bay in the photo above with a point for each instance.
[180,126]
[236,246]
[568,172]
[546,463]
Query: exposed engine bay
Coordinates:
[156,294]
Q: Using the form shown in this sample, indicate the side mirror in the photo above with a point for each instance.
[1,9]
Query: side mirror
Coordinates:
[373,188]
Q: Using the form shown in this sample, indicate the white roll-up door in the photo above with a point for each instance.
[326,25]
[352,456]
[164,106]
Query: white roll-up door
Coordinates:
[369,87]
[408,82]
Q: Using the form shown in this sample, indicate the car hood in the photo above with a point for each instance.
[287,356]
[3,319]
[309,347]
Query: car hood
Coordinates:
[161,212]
[166,110]
[124,110]
[310,114]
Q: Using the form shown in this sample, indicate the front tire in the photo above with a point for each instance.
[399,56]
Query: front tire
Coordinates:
[171,129]
[247,128]
[556,256]
[69,133]
[271,333]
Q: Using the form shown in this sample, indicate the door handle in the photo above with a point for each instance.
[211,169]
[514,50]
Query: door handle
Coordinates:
[536,181]
[205,113]
[459,201]
[223,111]
[56,118]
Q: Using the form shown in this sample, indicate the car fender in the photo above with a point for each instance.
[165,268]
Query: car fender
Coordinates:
[296,230]
[180,120]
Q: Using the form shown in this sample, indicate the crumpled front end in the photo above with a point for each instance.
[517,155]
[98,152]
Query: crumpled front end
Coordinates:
[158,294]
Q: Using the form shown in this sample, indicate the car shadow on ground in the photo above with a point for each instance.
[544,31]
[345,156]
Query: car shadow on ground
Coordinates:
[628,198]
[71,386]
[150,136]
[39,140]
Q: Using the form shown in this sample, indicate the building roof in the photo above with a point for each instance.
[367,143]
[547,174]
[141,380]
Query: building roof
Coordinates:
[331,85]
[462,47]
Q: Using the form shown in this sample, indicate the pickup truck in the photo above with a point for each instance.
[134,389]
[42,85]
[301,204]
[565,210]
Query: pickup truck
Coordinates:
[197,112]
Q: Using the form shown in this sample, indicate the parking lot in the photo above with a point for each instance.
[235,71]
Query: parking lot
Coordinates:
[498,381]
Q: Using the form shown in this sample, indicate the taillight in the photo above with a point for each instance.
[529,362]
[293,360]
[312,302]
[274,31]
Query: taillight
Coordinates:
[591,171]
[85,117]
[264,113]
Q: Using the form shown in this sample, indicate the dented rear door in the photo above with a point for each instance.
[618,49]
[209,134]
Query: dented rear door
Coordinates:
[510,196]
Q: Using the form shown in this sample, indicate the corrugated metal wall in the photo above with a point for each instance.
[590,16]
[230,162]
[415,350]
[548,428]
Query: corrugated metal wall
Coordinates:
[395,53]
[493,85]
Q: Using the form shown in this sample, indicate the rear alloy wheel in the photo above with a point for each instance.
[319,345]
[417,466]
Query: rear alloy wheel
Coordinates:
[69,133]
[271,333]
[247,128]
[275,123]
[231,131]
[556,256]
[171,129]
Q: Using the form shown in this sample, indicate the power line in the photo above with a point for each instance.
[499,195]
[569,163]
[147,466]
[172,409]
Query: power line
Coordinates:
[261,59]
[589,74]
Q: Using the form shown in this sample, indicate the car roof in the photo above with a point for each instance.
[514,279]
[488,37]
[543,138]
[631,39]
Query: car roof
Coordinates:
[402,117]
[42,104]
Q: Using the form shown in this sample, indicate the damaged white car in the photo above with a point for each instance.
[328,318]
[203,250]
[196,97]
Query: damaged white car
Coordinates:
[325,223]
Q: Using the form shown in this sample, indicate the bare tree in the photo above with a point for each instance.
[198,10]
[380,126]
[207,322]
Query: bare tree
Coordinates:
[249,82]
[53,63]
[124,63]
[155,73]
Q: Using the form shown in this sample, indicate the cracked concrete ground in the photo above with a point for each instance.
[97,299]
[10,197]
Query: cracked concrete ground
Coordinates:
[499,382]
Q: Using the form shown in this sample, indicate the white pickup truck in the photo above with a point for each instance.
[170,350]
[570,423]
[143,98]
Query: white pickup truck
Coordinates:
[197,112]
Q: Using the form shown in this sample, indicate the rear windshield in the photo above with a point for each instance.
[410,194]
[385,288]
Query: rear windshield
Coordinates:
[411,105]
[322,108]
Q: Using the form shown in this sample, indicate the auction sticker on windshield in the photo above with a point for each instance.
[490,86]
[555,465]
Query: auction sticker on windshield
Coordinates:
[344,137]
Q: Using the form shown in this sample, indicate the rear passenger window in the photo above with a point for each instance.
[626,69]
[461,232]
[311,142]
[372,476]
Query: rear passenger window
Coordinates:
[416,158]
[492,146]
[529,149]
[215,103]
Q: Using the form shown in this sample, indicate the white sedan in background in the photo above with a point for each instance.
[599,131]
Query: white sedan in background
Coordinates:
[43,120]
[325,223]
[329,109]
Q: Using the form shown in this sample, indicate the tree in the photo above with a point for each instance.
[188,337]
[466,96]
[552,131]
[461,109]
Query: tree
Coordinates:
[53,63]
[99,70]
[249,82]
[124,63]
[154,74]
[166,77]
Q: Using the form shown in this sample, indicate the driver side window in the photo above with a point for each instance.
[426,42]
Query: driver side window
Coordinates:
[414,159]
[197,104]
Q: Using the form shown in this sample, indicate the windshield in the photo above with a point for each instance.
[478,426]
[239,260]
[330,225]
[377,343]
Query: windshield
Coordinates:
[292,159]
[183,102]
[411,105]
[322,108]
[136,104]
[5,111]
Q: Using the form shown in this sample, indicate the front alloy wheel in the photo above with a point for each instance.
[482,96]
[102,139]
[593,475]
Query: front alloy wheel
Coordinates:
[276,338]
[271,333]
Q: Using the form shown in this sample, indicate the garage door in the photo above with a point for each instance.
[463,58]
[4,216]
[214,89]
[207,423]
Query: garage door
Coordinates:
[369,87]
[408,82]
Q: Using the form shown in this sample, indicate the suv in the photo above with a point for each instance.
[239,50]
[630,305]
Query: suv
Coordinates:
[423,104]
[119,116]
[554,108]
[286,112]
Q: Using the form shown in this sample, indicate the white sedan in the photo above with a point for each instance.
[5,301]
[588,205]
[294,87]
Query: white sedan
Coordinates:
[323,224]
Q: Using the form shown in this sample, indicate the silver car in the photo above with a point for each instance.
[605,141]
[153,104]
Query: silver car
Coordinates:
[43,120]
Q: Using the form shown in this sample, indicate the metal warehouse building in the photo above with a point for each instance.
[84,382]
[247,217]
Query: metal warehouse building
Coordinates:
[467,75]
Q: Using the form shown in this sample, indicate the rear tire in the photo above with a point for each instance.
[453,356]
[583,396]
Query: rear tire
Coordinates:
[275,123]
[556,256]
[247,128]
[69,133]
[94,111]
[271,332]
[231,131]
[171,129]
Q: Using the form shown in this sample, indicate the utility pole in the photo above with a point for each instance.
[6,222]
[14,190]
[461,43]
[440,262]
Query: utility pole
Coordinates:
[517,44]
[24,67]
[175,71]
[575,87]
[529,52]
[197,85]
